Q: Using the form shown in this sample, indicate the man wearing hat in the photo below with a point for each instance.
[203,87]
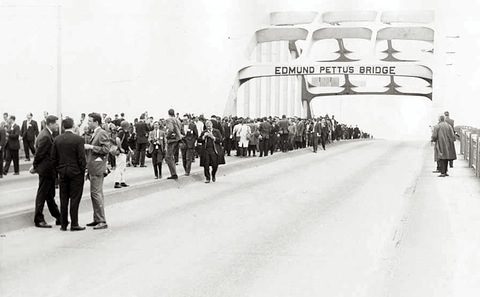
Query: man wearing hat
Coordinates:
[43,165]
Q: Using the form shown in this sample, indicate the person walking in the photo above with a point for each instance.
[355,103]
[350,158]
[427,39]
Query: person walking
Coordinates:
[43,165]
[187,144]
[68,157]
[212,154]
[141,129]
[451,122]
[444,138]
[121,141]
[97,153]
[316,135]
[29,132]
[173,135]
[157,147]
[265,129]
[3,141]
[12,147]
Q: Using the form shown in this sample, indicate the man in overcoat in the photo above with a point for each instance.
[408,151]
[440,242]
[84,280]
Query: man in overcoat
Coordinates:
[444,138]
[212,152]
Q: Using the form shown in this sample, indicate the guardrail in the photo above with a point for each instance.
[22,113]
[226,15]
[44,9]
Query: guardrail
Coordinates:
[470,148]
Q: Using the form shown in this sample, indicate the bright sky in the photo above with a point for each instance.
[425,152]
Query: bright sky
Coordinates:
[130,56]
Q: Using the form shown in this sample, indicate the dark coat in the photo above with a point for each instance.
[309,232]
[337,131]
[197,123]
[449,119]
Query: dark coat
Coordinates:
[218,148]
[29,133]
[3,139]
[265,129]
[13,142]
[68,155]
[142,129]
[444,138]
[190,137]
[43,162]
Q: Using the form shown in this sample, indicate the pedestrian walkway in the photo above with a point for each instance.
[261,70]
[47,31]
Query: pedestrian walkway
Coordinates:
[438,249]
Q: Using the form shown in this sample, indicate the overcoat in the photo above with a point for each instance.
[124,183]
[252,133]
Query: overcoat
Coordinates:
[444,138]
[218,148]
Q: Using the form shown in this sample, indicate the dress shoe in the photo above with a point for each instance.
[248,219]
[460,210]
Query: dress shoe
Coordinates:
[16,173]
[63,228]
[124,185]
[214,179]
[187,174]
[207,181]
[101,226]
[436,171]
[43,225]
[117,186]
[173,177]
[156,177]
[442,175]
[92,224]
[446,174]
[77,228]
[143,166]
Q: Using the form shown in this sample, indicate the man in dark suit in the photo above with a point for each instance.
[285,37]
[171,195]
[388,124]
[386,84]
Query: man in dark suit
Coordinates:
[187,146]
[212,151]
[12,146]
[283,131]
[29,132]
[3,141]
[97,154]
[43,165]
[68,157]
[142,130]
[265,129]
[227,135]
[173,137]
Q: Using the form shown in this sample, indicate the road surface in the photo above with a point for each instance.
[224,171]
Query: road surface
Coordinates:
[363,218]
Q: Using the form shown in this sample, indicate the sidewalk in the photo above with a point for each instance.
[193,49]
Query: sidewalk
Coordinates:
[441,236]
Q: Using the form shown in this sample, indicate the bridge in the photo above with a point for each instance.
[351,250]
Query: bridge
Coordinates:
[302,40]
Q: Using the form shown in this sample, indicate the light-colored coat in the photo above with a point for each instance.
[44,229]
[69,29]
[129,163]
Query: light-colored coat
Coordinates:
[444,138]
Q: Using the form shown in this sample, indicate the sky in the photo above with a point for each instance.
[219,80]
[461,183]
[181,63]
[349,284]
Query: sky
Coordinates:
[131,56]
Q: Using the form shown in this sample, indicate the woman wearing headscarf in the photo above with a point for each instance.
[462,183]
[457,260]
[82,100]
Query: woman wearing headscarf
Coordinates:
[211,154]
[158,144]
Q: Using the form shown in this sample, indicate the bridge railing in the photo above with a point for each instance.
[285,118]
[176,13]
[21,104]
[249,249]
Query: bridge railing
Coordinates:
[470,148]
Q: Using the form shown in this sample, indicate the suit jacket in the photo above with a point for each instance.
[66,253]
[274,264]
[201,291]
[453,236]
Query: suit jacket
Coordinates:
[43,162]
[13,142]
[142,130]
[97,156]
[68,155]
[283,126]
[29,133]
[317,130]
[161,140]
[265,129]
[3,139]
[227,130]
[191,136]
[173,129]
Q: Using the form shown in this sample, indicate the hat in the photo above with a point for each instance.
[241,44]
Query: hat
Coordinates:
[52,118]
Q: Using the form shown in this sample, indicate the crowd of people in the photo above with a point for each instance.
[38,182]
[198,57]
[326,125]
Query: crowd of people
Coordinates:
[97,144]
